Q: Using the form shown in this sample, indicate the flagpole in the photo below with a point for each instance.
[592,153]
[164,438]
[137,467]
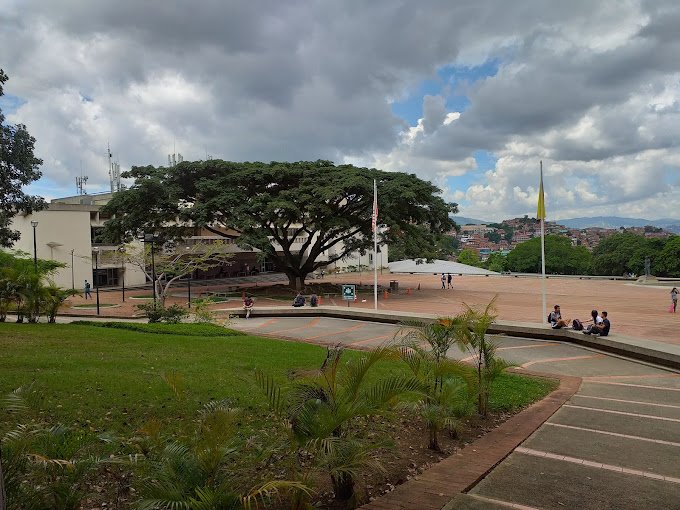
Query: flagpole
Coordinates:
[375,244]
[541,213]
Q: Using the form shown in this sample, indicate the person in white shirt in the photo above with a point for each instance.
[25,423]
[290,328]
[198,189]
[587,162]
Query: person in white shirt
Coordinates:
[555,319]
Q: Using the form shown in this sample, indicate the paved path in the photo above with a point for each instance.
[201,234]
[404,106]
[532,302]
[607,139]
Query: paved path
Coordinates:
[614,445]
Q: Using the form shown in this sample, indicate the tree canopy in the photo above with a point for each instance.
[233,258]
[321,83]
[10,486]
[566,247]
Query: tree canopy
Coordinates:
[18,167]
[303,215]
[469,257]
[625,252]
[560,257]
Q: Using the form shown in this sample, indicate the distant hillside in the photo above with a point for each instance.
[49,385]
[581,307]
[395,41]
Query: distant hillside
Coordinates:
[462,220]
[617,222]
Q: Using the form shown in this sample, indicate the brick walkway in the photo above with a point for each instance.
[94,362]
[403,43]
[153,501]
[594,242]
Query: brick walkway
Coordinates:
[441,483]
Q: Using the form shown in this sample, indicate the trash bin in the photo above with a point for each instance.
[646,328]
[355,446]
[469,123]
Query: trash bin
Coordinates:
[394,286]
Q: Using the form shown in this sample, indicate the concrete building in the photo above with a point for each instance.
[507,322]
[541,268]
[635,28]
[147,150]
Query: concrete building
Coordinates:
[69,231]
[66,232]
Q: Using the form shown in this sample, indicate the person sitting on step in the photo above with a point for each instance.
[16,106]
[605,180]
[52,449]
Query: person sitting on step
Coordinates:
[299,300]
[555,319]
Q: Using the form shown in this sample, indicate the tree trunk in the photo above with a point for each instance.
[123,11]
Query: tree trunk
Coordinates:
[343,487]
[434,439]
[295,281]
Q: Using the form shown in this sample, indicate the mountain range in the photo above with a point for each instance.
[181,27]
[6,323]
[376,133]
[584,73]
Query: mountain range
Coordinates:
[597,221]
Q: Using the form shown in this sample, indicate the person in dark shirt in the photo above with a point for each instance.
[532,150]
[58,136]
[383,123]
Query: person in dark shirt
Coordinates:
[299,300]
[599,328]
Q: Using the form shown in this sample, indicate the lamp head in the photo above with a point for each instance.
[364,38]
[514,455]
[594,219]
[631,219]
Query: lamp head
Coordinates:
[34,223]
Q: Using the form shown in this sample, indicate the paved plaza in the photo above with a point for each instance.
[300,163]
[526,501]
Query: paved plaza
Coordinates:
[635,310]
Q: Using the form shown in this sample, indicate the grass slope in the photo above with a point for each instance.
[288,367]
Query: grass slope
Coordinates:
[105,378]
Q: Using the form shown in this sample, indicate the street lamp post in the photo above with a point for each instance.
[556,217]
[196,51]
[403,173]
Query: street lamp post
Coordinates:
[148,238]
[96,273]
[34,224]
[188,284]
[73,278]
[122,269]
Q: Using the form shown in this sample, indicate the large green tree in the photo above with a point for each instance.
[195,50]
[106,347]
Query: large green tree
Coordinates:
[303,215]
[668,260]
[560,257]
[621,253]
[18,167]
[469,257]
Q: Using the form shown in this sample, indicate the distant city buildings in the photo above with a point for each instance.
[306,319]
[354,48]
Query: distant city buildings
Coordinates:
[502,237]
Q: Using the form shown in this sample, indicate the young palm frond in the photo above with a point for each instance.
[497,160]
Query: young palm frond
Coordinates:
[270,490]
[322,406]
[271,390]
[175,380]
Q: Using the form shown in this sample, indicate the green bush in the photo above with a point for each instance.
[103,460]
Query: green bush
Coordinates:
[165,329]
[157,313]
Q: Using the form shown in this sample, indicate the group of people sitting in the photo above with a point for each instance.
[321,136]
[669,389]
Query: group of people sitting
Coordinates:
[598,324]
[300,300]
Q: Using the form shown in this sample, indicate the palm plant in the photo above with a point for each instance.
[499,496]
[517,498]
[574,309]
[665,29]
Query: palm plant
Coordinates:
[446,390]
[53,298]
[21,284]
[42,467]
[8,290]
[470,330]
[446,385]
[195,473]
[323,406]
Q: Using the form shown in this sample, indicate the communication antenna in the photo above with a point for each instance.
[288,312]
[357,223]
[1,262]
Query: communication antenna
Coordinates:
[174,159]
[114,172]
[81,181]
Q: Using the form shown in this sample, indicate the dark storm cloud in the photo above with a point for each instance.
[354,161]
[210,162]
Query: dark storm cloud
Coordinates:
[580,82]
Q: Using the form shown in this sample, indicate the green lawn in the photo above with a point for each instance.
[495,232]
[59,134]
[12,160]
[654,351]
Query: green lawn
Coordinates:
[106,378]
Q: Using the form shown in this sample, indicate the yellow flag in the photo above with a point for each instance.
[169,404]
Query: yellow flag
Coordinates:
[540,214]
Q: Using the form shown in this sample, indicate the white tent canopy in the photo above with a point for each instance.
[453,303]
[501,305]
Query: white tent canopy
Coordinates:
[436,266]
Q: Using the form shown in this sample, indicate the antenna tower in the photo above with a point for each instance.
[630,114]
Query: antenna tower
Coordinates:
[81,181]
[80,184]
[174,159]
[114,172]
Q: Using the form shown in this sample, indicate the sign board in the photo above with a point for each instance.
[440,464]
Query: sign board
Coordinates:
[349,292]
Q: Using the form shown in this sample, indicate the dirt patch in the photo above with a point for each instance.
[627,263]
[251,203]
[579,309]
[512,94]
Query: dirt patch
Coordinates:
[409,456]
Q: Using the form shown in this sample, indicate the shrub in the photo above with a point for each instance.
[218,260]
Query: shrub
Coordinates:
[203,314]
[165,329]
[156,313]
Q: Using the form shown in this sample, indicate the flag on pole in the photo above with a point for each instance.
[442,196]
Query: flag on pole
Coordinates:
[540,214]
[374,222]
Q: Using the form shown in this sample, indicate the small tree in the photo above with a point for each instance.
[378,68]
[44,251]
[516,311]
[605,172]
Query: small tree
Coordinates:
[174,263]
[469,257]
[18,167]
[323,406]
[446,385]
[22,286]
[54,298]
[470,331]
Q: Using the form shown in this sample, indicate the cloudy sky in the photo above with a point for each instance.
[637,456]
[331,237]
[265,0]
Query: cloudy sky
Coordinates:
[470,94]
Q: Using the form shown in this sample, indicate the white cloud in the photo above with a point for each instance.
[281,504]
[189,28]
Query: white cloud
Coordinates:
[592,89]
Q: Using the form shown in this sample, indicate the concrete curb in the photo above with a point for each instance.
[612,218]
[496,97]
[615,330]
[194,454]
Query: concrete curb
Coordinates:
[438,486]
[650,351]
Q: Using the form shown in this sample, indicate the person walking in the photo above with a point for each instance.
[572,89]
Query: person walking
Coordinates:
[674,299]
[88,290]
[443,281]
[449,279]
